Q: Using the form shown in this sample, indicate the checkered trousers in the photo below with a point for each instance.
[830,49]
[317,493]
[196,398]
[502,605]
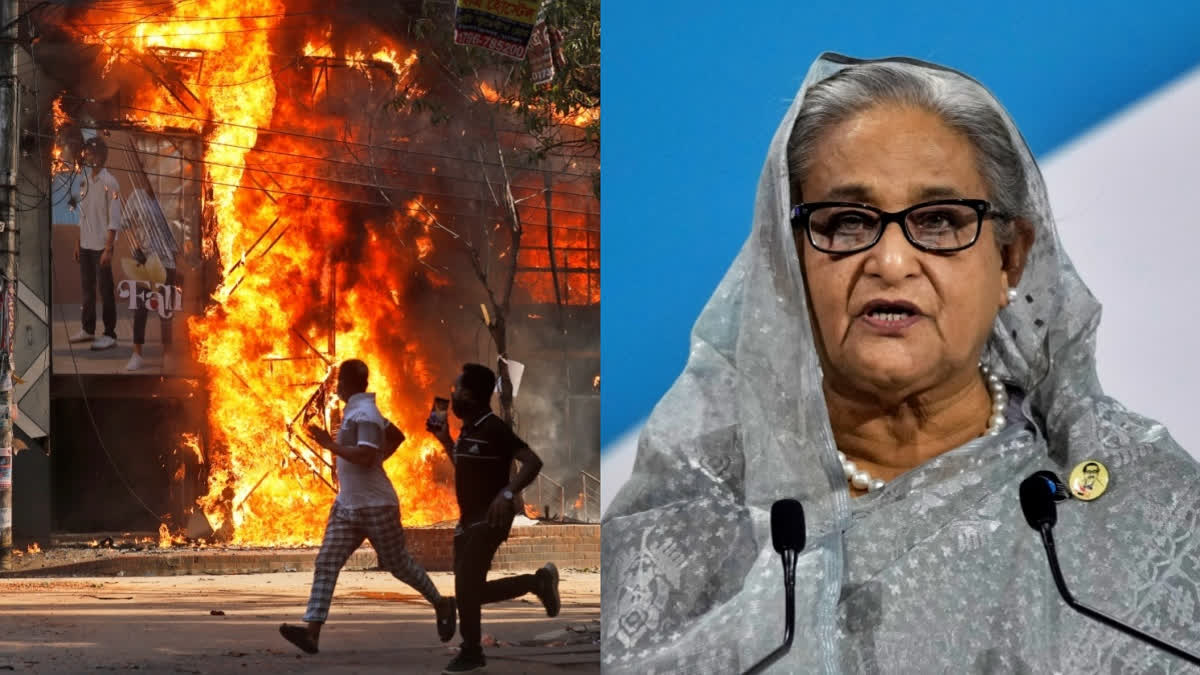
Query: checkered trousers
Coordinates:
[344,534]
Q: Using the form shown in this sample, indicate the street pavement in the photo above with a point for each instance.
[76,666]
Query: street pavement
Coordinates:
[229,624]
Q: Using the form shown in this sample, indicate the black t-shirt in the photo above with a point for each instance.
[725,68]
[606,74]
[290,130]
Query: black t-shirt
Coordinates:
[483,457]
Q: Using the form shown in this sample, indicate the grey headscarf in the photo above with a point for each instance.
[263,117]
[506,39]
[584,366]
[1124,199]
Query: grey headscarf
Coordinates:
[936,573]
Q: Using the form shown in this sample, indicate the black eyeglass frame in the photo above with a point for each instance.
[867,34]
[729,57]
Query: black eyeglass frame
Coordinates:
[801,213]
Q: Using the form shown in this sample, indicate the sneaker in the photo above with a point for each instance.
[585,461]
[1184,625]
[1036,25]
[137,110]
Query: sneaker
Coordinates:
[135,362]
[103,342]
[446,618]
[466,663]
[81,336]
[547,588]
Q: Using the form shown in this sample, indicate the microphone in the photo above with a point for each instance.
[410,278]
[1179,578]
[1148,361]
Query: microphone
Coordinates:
[787,535]
[1040,494]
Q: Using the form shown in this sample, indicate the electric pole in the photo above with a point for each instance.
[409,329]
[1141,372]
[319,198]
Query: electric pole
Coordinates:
[9,242]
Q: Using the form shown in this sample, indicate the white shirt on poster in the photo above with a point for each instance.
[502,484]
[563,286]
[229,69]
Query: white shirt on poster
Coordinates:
[363,486]
[99,208]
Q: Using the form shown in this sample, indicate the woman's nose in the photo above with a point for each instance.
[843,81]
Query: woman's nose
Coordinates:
[893,258]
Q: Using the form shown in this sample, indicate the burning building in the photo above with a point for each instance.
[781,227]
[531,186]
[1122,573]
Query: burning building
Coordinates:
[299,185]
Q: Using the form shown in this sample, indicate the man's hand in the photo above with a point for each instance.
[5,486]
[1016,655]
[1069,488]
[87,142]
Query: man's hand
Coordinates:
[106,256]
[440,432]
[500,512]
[77,250]
[321,436]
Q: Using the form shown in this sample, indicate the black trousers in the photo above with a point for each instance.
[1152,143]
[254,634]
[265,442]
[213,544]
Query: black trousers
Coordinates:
[474,547]
[91,271]
[141,313]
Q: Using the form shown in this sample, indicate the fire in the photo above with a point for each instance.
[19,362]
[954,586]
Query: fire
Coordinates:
[579,502]
[166,539]
[58,115]
[531,511]
[34,548]
[308,275]
[489,92]
[424,247]
[192,442]
[578,116]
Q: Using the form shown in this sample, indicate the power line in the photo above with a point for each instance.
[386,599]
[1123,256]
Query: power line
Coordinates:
[326,139]
[208,18]
[341,181]
[273,29]
[343,199]
[530,191]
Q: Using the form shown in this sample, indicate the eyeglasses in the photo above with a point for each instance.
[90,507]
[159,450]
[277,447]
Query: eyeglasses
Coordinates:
[941,226]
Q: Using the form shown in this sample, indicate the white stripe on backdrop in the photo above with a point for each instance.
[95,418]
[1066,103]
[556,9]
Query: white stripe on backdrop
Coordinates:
[1123,198]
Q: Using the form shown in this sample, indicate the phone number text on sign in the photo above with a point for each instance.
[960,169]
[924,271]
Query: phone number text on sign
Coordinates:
[488,42]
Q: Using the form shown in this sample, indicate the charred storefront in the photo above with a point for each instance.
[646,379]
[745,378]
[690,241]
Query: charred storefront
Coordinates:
[282,206]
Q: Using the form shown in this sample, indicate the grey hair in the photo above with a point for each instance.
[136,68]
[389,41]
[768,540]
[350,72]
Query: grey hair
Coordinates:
[963,105]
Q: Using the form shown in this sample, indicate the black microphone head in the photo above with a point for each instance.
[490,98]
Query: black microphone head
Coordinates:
[787,526]
[1039,494]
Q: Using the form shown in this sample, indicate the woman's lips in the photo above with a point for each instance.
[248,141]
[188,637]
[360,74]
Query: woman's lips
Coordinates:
[890,323]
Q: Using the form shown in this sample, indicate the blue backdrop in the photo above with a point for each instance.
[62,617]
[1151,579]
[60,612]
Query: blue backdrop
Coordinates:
[694,95]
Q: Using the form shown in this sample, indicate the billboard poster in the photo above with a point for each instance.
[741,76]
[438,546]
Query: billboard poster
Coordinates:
[126,252]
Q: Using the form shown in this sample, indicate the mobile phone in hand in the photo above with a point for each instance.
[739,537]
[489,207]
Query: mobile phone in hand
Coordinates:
[437,416]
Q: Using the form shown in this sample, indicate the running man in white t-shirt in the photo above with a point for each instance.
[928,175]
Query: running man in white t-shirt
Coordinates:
[366,508]
[99,219]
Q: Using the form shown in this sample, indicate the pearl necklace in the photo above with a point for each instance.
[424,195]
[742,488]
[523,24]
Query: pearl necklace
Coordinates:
[863,481]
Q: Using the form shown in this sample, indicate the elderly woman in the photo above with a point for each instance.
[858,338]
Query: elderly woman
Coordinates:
[901,341]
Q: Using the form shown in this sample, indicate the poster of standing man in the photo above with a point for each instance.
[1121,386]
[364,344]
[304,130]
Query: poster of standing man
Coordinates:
[128,207]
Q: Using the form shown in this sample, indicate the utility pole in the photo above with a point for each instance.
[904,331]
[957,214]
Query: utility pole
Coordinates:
[9,242]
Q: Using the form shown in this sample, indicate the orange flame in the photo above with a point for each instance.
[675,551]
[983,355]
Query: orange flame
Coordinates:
[578,116]
[282,313]
[192,442]
[34,548]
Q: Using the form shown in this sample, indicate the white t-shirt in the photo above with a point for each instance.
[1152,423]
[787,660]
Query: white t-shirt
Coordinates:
[362,486]
[99,208]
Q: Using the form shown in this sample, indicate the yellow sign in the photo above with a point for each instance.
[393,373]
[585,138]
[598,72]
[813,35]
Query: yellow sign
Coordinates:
[503,26]
[1088,480]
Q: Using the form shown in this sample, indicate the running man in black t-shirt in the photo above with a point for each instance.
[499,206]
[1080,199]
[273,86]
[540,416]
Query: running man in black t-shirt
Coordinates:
[483,457]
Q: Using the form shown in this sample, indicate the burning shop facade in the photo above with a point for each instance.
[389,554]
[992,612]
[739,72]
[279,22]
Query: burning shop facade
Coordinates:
[278,213]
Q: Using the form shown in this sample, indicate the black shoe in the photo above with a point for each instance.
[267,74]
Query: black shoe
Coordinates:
[298,635]
[547,590]
[466,662]
[446,613]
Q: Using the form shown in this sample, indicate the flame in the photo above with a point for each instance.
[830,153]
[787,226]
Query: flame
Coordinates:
[424,247]
[192,442]
[58,115]
[577,116]
[59,120]
[489,92]
[290,301]
[531,511]
[579,502]
[34,548]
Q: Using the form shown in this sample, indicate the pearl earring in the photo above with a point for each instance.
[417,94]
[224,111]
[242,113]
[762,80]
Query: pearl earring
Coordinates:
[1012,295]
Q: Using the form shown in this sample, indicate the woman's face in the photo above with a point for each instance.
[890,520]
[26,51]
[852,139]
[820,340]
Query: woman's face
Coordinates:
[893,157]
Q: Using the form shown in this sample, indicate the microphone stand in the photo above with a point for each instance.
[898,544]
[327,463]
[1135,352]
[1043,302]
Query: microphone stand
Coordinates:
[1048,540]
[789,613]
